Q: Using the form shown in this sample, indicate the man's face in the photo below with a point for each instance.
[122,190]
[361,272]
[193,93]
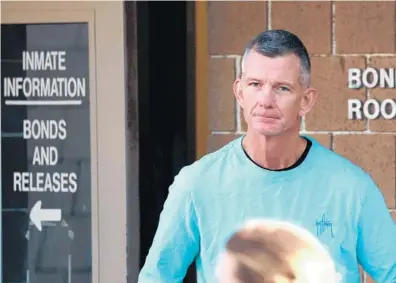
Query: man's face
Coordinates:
[271,95]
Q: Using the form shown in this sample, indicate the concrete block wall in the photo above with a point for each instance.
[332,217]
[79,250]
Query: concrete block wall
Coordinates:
[338,35]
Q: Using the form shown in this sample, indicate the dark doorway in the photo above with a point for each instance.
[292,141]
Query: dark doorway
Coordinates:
[165,98]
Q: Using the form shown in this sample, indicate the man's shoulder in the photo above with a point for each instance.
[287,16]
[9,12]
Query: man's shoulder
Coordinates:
[210,162]
[339,164]
[345,177]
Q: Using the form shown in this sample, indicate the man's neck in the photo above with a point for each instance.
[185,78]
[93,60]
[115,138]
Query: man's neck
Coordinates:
[274,152]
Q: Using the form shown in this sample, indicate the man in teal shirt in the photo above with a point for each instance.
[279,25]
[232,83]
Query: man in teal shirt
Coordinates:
[273,172]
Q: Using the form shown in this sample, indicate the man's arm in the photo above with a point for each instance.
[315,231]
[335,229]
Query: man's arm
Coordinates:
[376,247]
[176,242]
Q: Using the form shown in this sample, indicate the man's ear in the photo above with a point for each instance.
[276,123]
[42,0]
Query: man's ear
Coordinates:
[308,100]
[238,92]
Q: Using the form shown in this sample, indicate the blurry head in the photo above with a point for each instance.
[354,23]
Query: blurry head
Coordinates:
[275,252]
[274,86]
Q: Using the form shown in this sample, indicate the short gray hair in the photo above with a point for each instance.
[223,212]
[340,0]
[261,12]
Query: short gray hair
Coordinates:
[274,43]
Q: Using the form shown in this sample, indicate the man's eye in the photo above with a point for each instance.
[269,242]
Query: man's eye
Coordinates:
[283,89]
[254,84]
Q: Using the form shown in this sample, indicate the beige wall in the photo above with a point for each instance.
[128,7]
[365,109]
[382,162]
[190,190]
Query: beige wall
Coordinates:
[338,35]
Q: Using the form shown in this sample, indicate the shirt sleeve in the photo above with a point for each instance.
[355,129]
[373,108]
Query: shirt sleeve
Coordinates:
[376,247]
[176,242]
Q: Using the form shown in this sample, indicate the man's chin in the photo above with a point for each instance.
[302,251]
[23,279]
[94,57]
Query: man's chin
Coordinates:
[269,132]
[268,129]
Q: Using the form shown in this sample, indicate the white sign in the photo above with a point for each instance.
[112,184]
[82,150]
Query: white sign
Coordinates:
[372,108]
[44,90]
[70,89]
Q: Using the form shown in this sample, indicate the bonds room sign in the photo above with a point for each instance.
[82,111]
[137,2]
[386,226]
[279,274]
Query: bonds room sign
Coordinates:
[371,108]
[45,150]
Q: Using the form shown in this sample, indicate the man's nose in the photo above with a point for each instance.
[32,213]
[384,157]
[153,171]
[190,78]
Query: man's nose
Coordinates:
[266,97]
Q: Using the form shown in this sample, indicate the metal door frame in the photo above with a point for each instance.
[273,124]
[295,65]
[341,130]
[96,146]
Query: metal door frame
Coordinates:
[108,120]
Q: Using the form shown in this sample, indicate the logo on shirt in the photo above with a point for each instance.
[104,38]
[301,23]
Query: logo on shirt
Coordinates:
[324,225]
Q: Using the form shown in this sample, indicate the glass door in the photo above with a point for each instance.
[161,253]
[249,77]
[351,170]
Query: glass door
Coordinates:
[63,166]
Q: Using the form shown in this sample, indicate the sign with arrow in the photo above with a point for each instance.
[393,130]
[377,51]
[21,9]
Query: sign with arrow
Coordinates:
[46,154]
[39,215]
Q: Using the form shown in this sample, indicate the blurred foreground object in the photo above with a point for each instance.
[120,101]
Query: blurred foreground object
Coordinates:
[275,251]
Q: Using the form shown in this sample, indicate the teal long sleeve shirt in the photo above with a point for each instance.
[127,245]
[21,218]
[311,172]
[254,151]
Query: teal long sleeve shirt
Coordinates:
[327,194]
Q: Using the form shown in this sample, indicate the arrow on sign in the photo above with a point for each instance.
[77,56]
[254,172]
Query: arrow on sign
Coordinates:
[38,215]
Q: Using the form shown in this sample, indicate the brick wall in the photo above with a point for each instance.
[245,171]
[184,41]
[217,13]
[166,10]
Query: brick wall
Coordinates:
[339,35]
